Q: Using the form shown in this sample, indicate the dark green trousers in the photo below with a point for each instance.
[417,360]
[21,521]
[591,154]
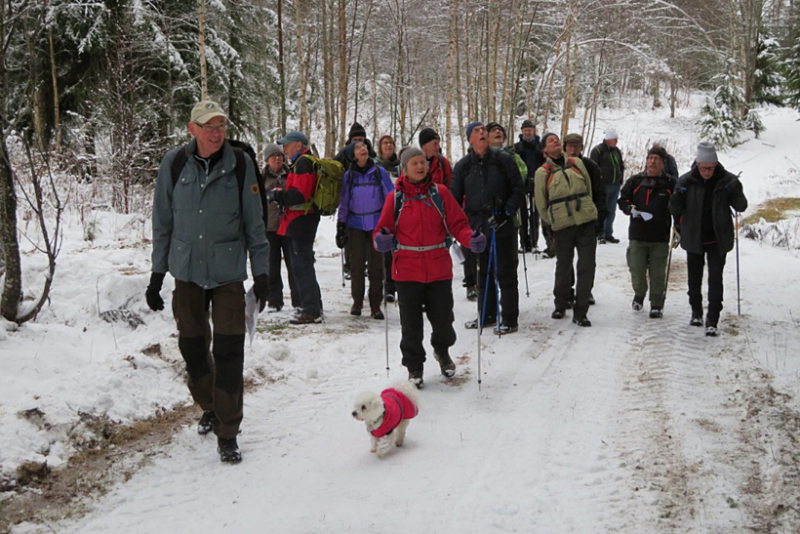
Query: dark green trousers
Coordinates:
[646,259]
[215,378]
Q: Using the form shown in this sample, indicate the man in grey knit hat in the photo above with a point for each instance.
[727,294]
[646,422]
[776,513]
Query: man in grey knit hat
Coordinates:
[701,205]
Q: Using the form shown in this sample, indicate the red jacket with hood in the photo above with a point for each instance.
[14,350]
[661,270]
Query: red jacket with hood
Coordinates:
[420,224]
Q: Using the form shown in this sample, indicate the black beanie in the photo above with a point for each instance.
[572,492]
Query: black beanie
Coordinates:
[492,125]
[544,139]
[527,123]
[427,135]
[658,151]
[356,130]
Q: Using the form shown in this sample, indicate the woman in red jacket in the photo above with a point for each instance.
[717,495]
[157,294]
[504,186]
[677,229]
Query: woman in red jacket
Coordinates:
[417,222]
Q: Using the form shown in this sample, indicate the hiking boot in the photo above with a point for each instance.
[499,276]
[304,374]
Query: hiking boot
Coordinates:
[377,314]
[355,309]
[581,321]
[505,329]
[473,324]
[273,308]
[656,313]
[228,450]
[472,293]
[591,300]
[306,318]
[549,253]
[711,331]
[611,239]
[558,314]
[207,422]
[570,303]
[601,240]
[446,364]
[637,304]
[415,377]
[390,297]
[697,320]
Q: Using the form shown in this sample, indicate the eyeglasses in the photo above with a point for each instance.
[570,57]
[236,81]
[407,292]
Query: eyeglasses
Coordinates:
[706,168]
[213,129]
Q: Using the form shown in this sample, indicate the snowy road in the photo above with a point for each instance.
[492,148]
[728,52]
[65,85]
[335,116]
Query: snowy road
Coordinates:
[632,426]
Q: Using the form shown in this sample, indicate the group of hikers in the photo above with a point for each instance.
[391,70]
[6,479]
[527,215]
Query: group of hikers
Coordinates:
[402,216]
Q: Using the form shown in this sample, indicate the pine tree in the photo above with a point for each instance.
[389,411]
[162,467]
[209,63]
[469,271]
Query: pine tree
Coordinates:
[768,78]
[720,120]
[791,67]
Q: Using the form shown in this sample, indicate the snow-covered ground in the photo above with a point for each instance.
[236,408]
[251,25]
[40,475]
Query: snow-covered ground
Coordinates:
[634,425]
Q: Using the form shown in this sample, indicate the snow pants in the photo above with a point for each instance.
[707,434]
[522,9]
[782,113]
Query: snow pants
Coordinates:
[646,258]
[716,264]
[567,241]
[437,298]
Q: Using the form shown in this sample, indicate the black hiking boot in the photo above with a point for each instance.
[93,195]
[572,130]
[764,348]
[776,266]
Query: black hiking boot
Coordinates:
[306,318]
[207,422]
[472,293]
[581,321]
[228,450]
[473,324]
[446,364]
[656,313]
[415,377]
[637,304]
[611,239]
[503,329]
[697,320]
[558,314]
[711,331]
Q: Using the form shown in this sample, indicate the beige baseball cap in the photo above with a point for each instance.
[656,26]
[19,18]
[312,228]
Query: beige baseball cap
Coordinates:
[204,111]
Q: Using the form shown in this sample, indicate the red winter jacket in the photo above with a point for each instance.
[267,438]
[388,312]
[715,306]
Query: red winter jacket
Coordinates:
[303,179]
[396,408]
[441,170]
[420,225]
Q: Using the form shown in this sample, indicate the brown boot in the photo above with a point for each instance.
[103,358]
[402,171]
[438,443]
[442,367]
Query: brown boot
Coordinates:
[377,313]
[356,309]
[446,364]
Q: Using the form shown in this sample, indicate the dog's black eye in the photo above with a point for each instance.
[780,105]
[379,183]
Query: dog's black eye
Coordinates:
[363,407]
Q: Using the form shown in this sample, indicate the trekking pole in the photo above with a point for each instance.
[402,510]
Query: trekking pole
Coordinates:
[738,287]
[341,251]
[385,315]
[669,261]
[482,305]
[525,266]
[493,259]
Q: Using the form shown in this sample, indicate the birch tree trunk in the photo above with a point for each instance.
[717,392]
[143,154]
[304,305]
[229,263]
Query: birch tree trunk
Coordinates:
[201,39]
[342,47]
[281,71]
[301,66]
[56,111]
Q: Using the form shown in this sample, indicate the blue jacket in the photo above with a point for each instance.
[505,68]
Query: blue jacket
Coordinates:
[363,195]
[203,227]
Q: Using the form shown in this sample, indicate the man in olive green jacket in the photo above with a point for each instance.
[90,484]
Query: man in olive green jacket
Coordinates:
[563,195]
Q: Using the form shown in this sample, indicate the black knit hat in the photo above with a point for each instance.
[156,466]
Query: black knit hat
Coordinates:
[427,135]
[492,125]
[356,130]
[527,123]
[658,151]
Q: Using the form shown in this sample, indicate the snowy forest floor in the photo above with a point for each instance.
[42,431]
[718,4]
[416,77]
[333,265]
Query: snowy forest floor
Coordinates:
[632,426]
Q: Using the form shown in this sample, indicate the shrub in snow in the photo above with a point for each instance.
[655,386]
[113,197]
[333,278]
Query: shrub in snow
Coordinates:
[785,233]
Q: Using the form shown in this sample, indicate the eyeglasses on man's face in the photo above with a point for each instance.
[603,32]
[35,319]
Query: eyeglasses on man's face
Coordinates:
[706,168]
[213,128]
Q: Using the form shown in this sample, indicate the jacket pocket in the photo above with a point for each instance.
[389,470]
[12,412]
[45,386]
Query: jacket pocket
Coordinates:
[180,259]
[184,191]
[226,196]
[229,262]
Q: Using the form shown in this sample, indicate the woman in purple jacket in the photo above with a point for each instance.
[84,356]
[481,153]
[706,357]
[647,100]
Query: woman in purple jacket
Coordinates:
[364,191]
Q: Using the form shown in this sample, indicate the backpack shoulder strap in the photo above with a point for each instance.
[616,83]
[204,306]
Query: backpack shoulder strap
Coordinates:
[241,168]
[178,163]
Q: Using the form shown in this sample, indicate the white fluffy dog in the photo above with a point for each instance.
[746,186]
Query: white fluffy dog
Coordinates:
[387,415]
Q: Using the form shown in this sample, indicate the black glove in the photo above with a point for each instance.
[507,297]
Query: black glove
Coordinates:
[341,235]
[274,195]
[499,219]
[152,295]
[261,290]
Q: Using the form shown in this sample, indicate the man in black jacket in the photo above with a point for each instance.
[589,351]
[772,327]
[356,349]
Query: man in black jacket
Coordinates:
[609,158]
[487,183]
[702,203]
[645,198]
[529,149]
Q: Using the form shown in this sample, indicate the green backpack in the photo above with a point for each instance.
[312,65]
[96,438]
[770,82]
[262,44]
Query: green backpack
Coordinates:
[329,186]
